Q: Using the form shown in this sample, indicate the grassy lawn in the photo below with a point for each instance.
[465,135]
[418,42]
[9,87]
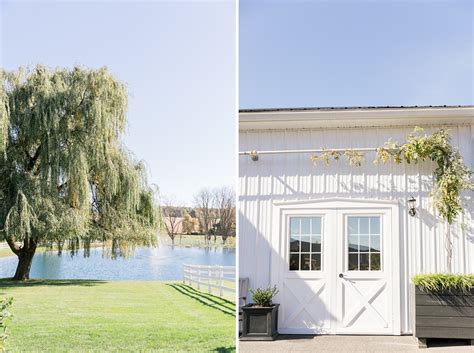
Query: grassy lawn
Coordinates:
[6,252]
[82,315]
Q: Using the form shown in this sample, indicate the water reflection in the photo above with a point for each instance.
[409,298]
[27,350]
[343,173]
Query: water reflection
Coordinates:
[162,263]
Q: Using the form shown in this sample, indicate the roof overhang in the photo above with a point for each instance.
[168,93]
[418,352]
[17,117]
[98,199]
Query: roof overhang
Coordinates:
[281,119]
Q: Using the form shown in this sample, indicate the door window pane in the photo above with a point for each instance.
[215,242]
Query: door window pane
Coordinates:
[363,242]
[353,262]
[305,244]
[316,243]
[295,226]
[363,225]
[316,225]
[353,225]
[305,262]
[374,225]
[353,245]
[375,243]
[316,262]
[364,261]
[294,262]
[294,243]
[305,226]
[375,261]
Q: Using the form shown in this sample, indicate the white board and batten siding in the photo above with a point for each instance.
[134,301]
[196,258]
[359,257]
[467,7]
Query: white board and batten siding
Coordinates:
[282,188]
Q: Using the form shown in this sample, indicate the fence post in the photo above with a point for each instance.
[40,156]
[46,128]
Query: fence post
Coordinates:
[184,274]
[198,269]
[209,275]
[221,286]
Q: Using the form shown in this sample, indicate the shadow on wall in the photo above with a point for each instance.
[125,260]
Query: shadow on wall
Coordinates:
[469,221]
[306,299]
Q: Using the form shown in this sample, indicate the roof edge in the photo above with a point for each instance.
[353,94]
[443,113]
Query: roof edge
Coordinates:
[349,108]
[298,118]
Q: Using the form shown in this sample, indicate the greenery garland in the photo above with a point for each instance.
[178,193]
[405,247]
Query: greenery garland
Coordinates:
[451,174]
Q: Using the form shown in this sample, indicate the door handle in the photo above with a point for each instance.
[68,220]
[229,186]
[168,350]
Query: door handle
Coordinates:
[341,275]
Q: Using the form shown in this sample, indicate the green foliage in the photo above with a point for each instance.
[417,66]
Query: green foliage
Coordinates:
[65,175]
[444,282]
[451,174]
[264,296]
[354,158]
[5,317]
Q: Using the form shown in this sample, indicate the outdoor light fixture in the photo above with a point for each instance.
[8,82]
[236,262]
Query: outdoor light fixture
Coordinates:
[254,155]
[412,206]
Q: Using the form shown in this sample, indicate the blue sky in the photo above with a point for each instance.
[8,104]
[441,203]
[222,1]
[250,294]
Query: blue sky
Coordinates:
[178,60]
[356,53]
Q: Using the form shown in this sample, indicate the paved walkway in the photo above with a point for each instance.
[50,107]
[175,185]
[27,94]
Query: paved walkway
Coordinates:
[351,344]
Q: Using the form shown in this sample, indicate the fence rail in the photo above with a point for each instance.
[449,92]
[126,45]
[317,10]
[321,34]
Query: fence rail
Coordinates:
[210,277]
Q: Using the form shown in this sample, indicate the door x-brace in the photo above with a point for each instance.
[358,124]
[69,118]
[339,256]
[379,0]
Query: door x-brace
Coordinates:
[365,302]
[303,304]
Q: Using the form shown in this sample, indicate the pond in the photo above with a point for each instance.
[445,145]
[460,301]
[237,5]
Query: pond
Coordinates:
[163,263]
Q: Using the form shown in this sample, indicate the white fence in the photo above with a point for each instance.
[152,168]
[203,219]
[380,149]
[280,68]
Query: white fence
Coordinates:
[210,277]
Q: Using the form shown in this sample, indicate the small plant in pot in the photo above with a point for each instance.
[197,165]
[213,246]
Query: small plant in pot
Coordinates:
[260,319]
[443,307]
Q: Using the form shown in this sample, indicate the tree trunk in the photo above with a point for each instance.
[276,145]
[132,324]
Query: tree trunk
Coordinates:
[25,258]
[449,248]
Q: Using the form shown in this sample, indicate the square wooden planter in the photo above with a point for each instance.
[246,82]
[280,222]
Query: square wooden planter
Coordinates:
[442,315]
[259,323]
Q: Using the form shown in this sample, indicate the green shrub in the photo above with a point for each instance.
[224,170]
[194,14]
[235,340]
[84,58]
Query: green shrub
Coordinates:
[5,317]
[264,296]
[444,282]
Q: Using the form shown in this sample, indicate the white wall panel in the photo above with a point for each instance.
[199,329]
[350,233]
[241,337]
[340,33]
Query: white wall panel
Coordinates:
[294,177]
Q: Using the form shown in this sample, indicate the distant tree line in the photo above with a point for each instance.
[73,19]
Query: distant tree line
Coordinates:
[212,214]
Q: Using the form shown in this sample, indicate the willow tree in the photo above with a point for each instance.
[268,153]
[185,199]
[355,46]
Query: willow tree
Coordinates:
[65,177]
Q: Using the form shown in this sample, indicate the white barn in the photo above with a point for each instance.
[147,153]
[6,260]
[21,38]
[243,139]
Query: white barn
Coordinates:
[324,285]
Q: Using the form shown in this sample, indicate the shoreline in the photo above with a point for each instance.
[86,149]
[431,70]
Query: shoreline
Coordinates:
[183,241]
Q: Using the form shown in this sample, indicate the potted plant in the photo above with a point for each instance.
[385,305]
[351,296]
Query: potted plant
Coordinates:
[260,318]
[443,306]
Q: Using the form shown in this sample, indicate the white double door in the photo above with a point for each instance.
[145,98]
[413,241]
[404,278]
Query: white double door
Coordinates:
[337,268]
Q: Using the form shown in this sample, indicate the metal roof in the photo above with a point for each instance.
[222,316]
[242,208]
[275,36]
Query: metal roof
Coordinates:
[302,109]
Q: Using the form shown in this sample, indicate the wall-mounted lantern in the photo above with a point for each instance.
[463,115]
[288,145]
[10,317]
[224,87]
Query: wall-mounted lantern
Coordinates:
[254,155]
[412,206]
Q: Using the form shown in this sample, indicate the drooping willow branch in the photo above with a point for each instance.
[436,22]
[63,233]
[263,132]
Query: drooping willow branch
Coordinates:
[451,175]
[65,177]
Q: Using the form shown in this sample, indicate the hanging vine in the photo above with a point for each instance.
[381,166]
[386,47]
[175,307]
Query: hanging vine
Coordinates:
[451,175]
